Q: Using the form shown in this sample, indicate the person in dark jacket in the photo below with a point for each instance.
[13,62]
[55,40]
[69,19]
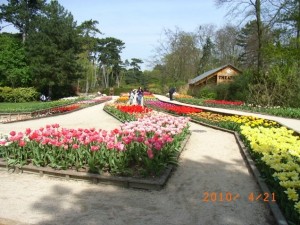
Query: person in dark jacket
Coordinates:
[171,92]
[140,95]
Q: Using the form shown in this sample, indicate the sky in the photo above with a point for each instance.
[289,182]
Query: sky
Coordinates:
[140,23]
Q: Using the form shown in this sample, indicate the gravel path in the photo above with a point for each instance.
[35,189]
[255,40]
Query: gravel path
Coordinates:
[210,163]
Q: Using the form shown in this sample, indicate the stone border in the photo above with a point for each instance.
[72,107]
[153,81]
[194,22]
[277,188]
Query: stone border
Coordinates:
[129,182]
[274,208]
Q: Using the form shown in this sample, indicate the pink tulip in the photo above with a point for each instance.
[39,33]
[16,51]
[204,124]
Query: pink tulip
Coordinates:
[12,133]
[75,146]
[94,148]
[22,143]
[55,125]
[28,131]
[150,154]
[110,145]
[120,146]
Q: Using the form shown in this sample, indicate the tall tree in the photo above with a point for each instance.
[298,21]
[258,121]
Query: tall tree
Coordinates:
[249,8]
[13,67]
[180,55]
[53,47]
[88,31]
[226,44]
[206,61]
[21,13]
[109,57]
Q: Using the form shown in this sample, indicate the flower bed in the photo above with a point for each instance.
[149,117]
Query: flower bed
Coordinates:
[96,100]
[139,148]
[277,152]
[276,111]
[122,99]
[176,109]
[133,109]
[222,102]
[274,149]
[147,97]
[126,113]
[182,96]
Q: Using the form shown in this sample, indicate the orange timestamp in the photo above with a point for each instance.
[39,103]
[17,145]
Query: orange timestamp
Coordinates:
[230,197]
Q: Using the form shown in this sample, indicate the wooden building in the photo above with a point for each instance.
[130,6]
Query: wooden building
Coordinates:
[215,76]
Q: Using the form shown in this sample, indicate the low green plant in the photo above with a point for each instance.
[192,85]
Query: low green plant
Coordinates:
[8,94]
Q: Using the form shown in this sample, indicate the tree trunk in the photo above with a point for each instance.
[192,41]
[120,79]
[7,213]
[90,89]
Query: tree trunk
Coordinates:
[87,85]
[259,35]
[105,80]
[50,91]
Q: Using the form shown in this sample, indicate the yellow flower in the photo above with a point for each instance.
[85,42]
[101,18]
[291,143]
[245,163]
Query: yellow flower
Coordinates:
[297,207]
[292,194]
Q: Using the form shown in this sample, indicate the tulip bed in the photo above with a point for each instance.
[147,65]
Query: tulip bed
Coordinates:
[144,147]
[172,108]
[274,148]
[276,111]
[125,99]
[71,107]
[182,96]
[211,102]
[128,112]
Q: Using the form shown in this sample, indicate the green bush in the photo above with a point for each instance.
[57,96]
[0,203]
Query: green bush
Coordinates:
[222,91]
[117,91]
[207,92]
[8,94]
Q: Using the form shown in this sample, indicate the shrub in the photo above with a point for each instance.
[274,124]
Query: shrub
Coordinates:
[207,92]
[8,94]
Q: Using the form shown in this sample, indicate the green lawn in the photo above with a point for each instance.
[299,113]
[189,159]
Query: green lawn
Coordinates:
[31,106]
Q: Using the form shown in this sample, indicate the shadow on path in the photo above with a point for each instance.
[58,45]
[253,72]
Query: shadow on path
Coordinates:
[180,202]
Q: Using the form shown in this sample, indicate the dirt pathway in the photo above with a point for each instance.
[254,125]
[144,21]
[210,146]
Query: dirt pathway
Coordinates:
[210,163]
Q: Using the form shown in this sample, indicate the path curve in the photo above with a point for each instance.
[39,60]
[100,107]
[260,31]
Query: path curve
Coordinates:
[211,162]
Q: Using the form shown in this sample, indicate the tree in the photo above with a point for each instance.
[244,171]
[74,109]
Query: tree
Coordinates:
[88,30]
[134,75]
[180,55]
[288,16]
[13,67]
[21,13]
[52,49]
[252,8]
[206,61]
[109,50]
[247,40]
[227,50]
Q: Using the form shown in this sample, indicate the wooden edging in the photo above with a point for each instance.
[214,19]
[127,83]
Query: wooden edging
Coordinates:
[129,182]
[273,206]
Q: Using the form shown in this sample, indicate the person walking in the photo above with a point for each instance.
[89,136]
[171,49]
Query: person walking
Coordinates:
[171,92]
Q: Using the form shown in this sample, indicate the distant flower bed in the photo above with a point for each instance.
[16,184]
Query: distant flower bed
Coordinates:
[183,96]
[177,109]
[131,109]
[125,99]
[95,100]
[126,113]
[222,102]
[63,109]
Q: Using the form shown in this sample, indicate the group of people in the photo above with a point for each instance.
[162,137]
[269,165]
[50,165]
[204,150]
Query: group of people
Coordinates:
[136,97]
[45,98]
